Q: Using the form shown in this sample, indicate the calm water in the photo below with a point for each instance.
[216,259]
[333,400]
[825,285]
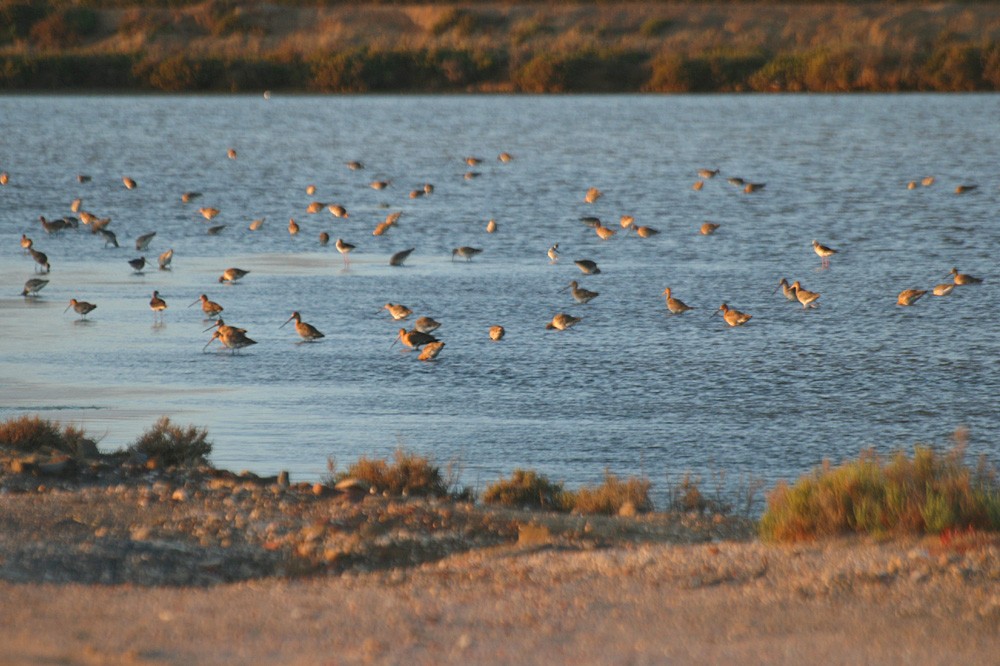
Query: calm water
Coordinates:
[630,388]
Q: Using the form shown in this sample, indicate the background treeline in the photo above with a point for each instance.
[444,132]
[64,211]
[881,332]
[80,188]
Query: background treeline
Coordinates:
[226,45]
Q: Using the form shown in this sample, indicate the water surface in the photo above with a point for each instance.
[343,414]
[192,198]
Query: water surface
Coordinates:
[630,389]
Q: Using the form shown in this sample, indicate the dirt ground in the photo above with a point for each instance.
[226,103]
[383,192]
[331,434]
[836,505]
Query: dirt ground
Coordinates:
[218,569]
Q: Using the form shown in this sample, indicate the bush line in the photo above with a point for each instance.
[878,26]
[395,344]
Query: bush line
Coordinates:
[948,68]
[926,493]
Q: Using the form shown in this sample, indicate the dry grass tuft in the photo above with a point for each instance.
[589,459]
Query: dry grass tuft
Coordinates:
[926,493]
[172,445]
[408,475]
[526,489]
[31,433]
[614,496]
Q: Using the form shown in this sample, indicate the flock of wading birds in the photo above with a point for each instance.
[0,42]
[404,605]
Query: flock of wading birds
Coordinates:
[420,335]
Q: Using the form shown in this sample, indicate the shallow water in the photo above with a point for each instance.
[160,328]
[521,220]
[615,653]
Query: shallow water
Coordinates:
[630,388]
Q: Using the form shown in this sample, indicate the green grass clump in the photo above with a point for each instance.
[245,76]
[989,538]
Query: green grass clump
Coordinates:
[526,489]
[926,493]
[611,496]
[408,474]
[172,445]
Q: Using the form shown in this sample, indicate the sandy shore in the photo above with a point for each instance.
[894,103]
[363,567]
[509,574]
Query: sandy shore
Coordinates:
[213,568]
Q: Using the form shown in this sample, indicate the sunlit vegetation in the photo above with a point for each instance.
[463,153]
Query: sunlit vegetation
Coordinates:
[408,474]
[30,434]
[527,489]
[172,445]
[927,492]
[385,46]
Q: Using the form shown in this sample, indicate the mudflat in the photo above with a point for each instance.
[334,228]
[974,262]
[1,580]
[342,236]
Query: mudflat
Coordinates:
[205,567]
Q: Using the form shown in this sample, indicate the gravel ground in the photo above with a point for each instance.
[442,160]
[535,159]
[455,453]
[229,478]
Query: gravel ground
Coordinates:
[119,565]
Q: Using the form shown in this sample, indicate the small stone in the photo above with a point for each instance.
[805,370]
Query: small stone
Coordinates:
[179,495]
[87,449]
[628,510]
[140,533]
[283,480]
[313,532]
[919,576]
[532,535]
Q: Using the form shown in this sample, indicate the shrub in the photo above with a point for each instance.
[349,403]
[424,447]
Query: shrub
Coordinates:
[18,18]
[65,28]
[611,496]
[173,445]
[784,73]
[957,67]
[409,474]
[926,493]
[655,27]
[31,433]
[527,489]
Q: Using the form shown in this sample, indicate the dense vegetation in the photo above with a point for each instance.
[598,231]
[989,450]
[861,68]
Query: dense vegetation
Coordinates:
[226,45]
[926,493]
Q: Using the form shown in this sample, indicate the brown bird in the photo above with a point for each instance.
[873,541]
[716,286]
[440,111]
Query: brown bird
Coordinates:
[306,331]
[129,183]
[592,195]
[232,275]
[708,228]
[426,324]
[824,253]
[944,289]
[431,351]
[344,249]
[910,296]
[733,317]
[580,295]
[806,298]
[465,252]
[562,321]
[83,308]
[41,259]
[497,333]
[786,289]
[157,305]
[674,305]
[208,213]
[231,338]
[587,266]
[414,339]
[398,258]
[398,310]
[210,308]
[964,278]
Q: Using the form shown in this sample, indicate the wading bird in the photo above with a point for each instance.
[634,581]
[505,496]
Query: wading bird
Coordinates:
[562,321]
[307,332]
[82,308]
[733,317]
[232,275]
[674,305]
